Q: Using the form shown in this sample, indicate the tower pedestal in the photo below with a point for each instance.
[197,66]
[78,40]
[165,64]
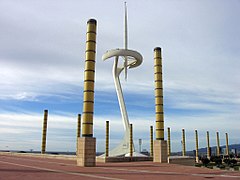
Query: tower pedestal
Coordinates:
[86,152]
[160,151]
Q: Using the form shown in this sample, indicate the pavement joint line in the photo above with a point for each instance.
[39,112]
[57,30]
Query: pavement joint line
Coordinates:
[61,171]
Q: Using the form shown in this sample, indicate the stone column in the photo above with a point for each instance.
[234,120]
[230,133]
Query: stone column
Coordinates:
[79,126]
[218,144]
[227,149]
[160,145]
[208,147]
[151,141]
[183,143]
[196,137]
[86,155]
[169,142]
[44,132]
[107,139]
[78,129]
[131,140]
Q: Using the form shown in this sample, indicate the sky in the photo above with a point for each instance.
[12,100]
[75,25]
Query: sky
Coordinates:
[42,54]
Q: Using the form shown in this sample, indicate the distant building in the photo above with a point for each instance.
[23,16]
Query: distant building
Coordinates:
[233,151]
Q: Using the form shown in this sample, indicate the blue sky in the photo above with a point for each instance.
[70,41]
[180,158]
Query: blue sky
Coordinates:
[42,45]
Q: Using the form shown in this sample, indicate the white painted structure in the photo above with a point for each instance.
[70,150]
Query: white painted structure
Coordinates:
[131,59]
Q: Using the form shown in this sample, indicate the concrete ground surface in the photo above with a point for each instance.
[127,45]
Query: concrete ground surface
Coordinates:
[14,167]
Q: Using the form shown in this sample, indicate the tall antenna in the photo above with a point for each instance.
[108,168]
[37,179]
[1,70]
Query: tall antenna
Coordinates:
[125,23]
[125,40]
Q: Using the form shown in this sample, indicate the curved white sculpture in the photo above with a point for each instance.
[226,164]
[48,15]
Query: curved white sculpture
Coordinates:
[131,59]
[134,59]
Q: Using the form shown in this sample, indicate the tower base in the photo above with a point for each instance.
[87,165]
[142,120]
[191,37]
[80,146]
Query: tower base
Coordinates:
[86,152]
[160,151]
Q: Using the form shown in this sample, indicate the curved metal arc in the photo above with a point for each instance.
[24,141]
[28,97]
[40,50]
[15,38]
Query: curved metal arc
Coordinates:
[125,53]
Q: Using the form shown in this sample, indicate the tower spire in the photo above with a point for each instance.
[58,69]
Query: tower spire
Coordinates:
[125,40]
[125,27]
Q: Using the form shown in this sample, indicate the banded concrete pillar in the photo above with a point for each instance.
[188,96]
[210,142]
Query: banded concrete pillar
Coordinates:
[79,126]
[89,76]
[183,143]
[196,137]
[169,142]
[78,129]
[87,144]
[107,139]
[44,131]
[131,140]
[160,145]
[158,94]
[208,147]
[151,141]
[218,144]
[227,149]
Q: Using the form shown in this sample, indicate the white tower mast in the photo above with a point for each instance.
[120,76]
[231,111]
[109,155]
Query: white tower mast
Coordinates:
[125,40]
[131,59]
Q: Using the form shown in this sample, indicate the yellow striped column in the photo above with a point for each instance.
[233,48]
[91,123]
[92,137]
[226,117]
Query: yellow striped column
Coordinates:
[218,144]
[78,128]
[131,140]
[227,149]
[151,141]
[160,153]
[169,142]
[86,155]
[44,132]
[208,147]
[89,76]
[196,137]
[107,139]
[158,94]
[183,143]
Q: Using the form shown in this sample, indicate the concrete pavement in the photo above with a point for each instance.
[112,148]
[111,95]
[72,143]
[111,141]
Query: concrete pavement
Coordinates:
[14,167]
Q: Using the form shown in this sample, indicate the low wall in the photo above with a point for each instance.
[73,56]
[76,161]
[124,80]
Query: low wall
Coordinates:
[122,159]
[182,160]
